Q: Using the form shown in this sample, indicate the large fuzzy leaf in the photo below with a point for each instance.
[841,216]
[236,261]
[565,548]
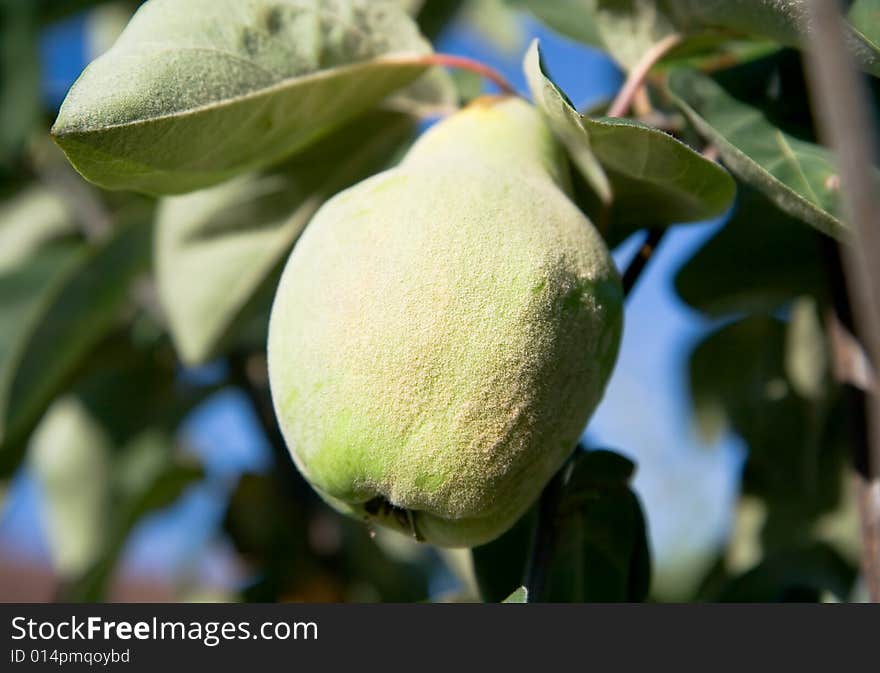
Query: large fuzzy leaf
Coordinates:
[193,94]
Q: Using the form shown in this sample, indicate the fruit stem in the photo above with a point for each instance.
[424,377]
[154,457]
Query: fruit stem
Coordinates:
[469,64]
[636,78]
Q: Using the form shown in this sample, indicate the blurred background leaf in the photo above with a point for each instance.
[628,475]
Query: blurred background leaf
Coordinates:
[147,474]
[602,551]
[19,77]
[58,327]
[628,28]
[760,260]
[31,220]
[70,456]
[147,477]
[215,248]
[501,565]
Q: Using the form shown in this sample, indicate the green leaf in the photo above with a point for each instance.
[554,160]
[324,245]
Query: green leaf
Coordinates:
[31,219]
[755,115]
[216,248]
[468,85]
[762,258]
[150,478]
[739,379]
[602,552]
[54,10]
[567,125]
[496,24]
[650,178]
[25,293]
[191,96]
[146,477]
[864,17]
[571,18]
[57,308]
[501,564]
[104,458]
[806,351]
[19,77]
[657,180]
[133,383]
[70,457]
[625,29]
[732,385]
[628,28]
[521,595]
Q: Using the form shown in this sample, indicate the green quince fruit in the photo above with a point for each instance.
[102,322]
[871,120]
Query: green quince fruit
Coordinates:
[443,331]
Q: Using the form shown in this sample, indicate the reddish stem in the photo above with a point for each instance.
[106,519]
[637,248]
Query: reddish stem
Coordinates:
[465,63]
[637,75]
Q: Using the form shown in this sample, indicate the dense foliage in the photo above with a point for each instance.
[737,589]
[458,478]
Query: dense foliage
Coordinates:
[224,125]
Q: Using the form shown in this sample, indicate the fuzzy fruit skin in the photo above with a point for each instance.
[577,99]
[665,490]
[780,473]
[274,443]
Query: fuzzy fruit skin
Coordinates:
[443,331]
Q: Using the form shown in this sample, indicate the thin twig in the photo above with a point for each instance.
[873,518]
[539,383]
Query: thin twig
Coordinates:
[841,108]
[637,75]
[868,500]
[641,258]
[463,63]
[853,373]
[619,107]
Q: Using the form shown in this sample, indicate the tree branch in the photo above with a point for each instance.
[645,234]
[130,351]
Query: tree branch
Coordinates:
[851,370]
[640,260]
[841,108]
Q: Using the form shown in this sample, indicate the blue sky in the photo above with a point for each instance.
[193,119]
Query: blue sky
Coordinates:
[687,487]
